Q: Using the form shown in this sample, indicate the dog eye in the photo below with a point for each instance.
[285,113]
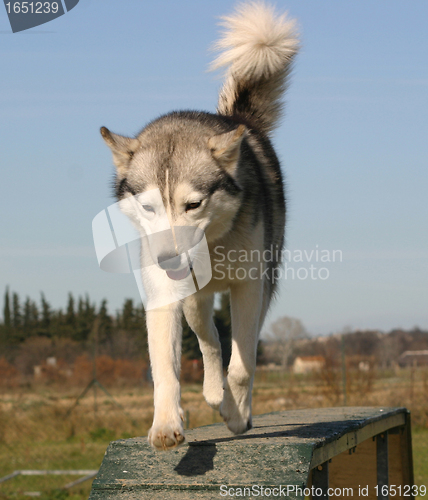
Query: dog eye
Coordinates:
[192,206]
[149,208]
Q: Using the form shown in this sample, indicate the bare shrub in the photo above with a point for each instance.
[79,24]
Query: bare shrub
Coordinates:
[9,375]
[34,351]
[109,371]
[105,369]
[331,377]
[129,371]
[82,370]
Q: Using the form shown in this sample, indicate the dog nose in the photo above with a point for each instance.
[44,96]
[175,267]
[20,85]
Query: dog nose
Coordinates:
[168,261]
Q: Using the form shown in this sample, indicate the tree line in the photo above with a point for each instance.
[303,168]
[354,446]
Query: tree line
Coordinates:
[81,321]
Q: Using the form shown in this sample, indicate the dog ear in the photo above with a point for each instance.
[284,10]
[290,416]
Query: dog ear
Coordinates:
[123,148]
[225,147]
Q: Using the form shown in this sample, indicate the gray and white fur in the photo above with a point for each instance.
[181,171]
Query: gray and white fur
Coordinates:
[218,173]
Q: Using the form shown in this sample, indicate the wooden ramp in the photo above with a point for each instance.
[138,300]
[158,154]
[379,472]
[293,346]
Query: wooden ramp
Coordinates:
[324,450]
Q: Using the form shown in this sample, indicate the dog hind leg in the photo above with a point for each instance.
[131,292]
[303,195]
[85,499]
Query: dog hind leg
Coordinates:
[246,307]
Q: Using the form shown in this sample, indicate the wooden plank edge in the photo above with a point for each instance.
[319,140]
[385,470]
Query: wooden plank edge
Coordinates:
[351,439]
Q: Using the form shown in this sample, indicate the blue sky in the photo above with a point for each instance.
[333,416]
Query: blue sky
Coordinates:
[353,146]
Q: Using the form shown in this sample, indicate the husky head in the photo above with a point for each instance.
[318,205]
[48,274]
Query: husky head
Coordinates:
[177,181]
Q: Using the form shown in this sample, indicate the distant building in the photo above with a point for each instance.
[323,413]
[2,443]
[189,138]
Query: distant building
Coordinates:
[413,358]
[308,364]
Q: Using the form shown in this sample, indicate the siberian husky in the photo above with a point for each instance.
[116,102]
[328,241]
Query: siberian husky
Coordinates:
[218,174]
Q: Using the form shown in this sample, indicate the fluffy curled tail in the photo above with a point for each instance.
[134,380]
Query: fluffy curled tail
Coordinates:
[258,48]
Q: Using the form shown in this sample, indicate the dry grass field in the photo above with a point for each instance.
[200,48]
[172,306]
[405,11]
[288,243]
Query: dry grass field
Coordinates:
[35,432]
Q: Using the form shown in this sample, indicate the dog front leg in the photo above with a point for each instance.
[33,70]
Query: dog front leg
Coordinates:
[164,335]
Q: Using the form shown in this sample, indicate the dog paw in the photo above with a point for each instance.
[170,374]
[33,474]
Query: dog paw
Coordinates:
[166,437]
[236,410]
[235,421]
[213,394]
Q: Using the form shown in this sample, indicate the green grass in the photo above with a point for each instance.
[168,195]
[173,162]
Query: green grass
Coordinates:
[420,457]
[39,456]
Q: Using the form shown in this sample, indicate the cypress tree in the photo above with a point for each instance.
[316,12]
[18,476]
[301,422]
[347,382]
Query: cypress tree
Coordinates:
[5,328]
[46,315]
[128,316]
[6,310]
[70,317]
[16,312]
[105,323]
